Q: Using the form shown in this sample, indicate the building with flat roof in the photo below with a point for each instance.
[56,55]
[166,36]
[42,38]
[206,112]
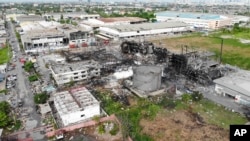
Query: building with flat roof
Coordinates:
[113,21]
[235,85]
[43,39]
[76,105]
[145,29]
[78,71]
[29,18]
[200,20]
[77,35]
[71,15]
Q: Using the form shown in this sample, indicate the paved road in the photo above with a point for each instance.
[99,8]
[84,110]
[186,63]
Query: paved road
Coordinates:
[23,89]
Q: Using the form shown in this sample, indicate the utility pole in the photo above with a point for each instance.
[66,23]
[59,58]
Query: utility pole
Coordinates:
[221,47]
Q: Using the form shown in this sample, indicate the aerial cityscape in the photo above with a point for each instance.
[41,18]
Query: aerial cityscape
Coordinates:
[136,70]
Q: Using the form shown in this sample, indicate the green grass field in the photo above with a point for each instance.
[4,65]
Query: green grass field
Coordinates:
[213,113]
[4,55]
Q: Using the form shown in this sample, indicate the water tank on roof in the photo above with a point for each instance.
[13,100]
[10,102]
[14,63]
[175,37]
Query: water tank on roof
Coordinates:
[147,78]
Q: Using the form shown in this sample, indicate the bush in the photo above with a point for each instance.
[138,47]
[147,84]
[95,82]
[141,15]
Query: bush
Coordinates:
[115,130]
[186,97]
[33,78]
[101,129]
[28,66]
[41,98]
[197,96]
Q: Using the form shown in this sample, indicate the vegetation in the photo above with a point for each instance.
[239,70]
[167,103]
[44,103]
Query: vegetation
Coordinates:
[5,119]
[18,36]
[41,98]
[28,66]
[130,116]
[150,16]
[114,130]
[3,91]
[33,78]
[101,129]
[4,55]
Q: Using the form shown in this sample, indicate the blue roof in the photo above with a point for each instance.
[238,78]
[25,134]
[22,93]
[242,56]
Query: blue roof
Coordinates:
[203,16]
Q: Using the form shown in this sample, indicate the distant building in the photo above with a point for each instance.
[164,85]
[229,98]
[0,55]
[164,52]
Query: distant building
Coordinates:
[79,71]
[76,105]
[71,15]
[143,30]
[29,18]
[235,85]
[200,20]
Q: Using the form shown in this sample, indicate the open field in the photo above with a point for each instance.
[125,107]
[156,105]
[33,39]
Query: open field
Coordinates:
[148,120]
[4,55]
[234,52]
[203,120]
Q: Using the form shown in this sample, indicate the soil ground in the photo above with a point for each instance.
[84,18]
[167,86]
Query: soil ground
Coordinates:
[182,126]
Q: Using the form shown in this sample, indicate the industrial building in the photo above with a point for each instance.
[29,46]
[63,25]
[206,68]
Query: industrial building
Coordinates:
[145,29]
[76,36]
[113,21]
[65,73]
[49,36]
[201,20]
[43,40]
[76,105]
[235,85]
[71,15]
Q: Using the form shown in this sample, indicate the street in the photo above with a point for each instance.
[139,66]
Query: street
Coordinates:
[23,90]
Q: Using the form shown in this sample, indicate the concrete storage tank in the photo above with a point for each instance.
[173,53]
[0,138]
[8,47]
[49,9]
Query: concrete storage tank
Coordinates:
[147,78]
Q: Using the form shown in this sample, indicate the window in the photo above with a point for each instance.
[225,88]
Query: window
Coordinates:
[82,115]
[75,73]
[75,77]
[83,71]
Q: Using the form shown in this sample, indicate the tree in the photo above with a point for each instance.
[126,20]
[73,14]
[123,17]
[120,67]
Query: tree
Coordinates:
[4,119]
[41,98]
[61,17]
[4,107]
[28,66]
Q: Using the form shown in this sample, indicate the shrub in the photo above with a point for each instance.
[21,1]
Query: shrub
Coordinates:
[33,78]
[41,98]
[101,129]
[115,130]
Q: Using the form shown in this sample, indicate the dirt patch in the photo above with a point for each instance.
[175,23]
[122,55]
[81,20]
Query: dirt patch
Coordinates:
[182,126]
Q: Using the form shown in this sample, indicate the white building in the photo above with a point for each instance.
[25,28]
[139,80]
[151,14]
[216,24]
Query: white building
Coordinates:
[76,105]
[65,73]
[201,20]
[146,29]
[235,85]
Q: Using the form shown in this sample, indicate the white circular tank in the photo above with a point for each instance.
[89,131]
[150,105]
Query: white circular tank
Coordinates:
[147,78]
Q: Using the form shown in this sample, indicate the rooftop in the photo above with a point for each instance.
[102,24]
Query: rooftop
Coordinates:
[238,81]
[122,19]
[203,16]
[64,68]
[24,18]
[148,26]
[74,100]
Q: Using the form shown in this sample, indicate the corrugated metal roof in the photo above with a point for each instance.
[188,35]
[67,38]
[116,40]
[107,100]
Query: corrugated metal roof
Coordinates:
[120,19]
[148,26]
